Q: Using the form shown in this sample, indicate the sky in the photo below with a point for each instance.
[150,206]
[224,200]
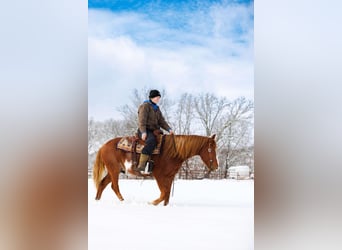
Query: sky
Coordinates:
[176,46]
[202,214]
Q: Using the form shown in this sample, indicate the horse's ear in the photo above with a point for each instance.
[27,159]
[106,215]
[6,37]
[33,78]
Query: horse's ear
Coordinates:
[213,136]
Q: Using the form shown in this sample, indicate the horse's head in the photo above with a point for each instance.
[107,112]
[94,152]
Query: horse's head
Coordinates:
[208,154]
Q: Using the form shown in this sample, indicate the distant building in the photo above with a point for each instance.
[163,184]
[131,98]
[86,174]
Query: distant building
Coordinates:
[239,172]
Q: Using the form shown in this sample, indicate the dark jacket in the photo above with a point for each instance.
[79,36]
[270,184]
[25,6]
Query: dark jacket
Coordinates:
[151,119]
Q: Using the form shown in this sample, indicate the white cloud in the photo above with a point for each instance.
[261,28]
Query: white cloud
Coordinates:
[129,50]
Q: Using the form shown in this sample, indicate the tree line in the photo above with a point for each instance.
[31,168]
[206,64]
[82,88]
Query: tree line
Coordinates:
[204,114]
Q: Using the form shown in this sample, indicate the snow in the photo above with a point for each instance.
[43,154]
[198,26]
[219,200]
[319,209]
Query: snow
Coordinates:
[202,214]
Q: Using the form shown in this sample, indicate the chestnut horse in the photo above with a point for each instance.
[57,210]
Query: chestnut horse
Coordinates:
[176,149]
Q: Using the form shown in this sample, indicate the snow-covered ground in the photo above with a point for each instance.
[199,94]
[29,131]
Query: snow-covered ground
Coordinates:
[202,214]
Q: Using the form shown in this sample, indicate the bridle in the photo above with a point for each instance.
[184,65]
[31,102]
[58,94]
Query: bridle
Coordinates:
[210,156]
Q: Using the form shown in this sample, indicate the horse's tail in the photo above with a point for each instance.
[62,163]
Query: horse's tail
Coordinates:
[98,169]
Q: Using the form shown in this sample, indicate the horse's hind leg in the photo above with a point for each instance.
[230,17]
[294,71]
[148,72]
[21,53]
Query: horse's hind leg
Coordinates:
[103,184]
[115,185]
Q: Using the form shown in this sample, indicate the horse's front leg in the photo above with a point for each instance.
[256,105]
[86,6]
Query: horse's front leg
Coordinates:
[167,198]
[168,191]
[165,189]
[162,192]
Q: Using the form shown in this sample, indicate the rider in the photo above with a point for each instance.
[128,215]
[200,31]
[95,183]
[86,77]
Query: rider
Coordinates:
[150,119]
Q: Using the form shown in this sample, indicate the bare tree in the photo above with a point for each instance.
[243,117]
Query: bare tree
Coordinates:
[184,114]
[99,133]
[166,104]
[209,110]
[130,111]
[237,132]
[232,122]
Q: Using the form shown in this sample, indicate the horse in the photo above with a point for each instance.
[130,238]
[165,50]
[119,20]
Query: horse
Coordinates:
[175,150]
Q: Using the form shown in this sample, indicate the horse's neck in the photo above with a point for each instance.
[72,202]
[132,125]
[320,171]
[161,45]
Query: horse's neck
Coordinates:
[191,149]
[189,156]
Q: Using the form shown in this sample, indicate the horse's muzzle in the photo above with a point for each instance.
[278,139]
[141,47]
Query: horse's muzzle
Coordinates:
[213,165]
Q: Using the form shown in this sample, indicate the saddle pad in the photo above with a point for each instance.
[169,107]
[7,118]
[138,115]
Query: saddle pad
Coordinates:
[126,144]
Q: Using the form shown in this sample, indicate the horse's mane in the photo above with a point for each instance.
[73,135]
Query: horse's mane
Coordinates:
[183,146]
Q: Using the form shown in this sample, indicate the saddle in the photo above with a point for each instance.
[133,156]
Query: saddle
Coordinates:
[135,145]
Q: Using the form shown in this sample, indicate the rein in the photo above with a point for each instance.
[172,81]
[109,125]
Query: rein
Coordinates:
[174,142]
[174,147]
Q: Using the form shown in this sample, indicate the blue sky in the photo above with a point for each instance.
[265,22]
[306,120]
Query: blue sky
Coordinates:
[179,46]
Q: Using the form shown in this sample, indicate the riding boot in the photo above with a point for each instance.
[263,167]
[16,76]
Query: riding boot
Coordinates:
[142,162]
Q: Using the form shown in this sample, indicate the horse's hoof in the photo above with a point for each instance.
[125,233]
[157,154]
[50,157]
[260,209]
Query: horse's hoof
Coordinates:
[153,203]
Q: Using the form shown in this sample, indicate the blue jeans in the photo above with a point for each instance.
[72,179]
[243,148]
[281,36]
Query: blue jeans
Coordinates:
[150,142]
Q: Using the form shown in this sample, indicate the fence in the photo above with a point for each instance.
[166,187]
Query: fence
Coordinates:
[191,174]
